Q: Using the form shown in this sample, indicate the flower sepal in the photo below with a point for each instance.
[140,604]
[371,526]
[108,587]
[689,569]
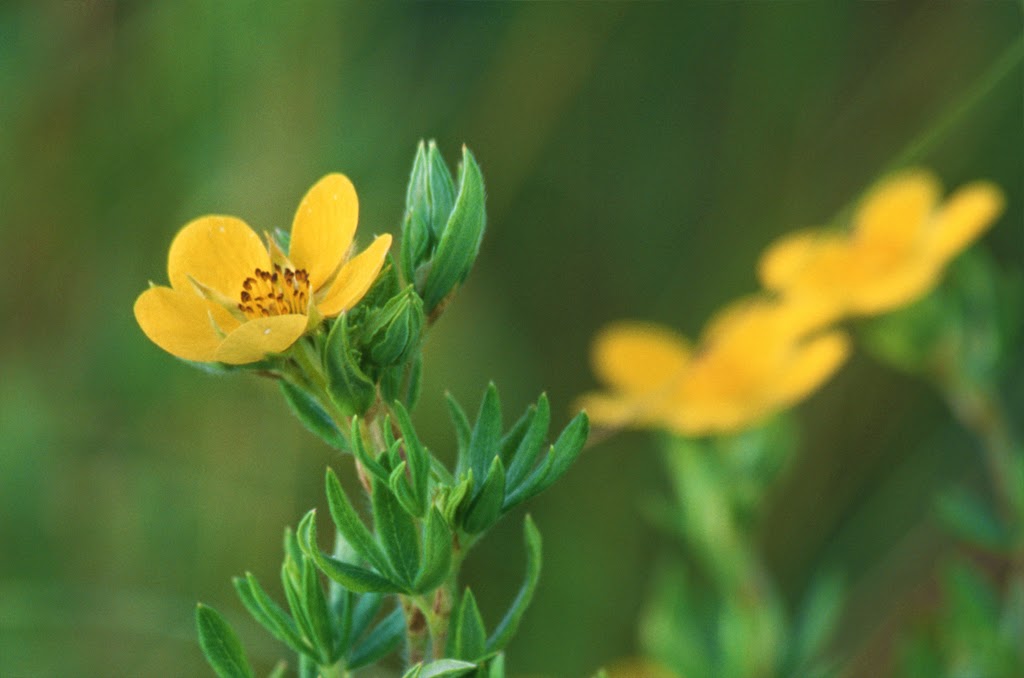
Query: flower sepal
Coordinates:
[351,390]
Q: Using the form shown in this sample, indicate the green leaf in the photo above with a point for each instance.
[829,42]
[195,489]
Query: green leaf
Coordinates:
[366,608]
[399,485]
[443,668]
[397,532]
[269,614]
[416,231]
[440,189]
[315,604]
[484,444]
[296,604]
[220,644]
[352,577]
[351,526]
[511,440]
[456,498]
[529,448]
[384,639]
[560,457]
[375,468]
[417,456]
[460,242]
[312,415]
[970,519]
[486,506]
[818,618]
[280,670]
[510,623]
[352,391]
[462,430]
[496,667]
[470,634]
[437,553]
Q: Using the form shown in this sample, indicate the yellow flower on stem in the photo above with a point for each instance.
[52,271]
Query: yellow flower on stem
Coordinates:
[754,359]
[901,240]
[235,298]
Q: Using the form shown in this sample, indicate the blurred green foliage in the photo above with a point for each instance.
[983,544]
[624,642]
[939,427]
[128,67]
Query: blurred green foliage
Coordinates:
[638,157]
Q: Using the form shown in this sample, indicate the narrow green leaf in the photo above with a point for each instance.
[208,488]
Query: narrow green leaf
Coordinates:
[375,468]
[510,622]
[414,380]
[366,608]
[416,232]
[320,622]
[456,499]
[496,668]
[440,189]
[417,456]
[460,242]
[446,668]
[381,641]
[397,532]
[293,595]
[352,577]
[312,415]
[484,444]
[220,644]
[560,457]
[818,618]
[462,430]
[529,448]
[291,545]
[352,391]
[399,485]
[486,506]
[470,634]
[414,671]
[511,440]
[351,526]
[437,553]
[280,670]
[269,614]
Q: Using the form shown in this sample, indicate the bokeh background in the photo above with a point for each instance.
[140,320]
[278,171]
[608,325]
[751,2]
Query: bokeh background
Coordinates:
[638,157]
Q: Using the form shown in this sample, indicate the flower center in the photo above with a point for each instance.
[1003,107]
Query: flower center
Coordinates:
[277,292]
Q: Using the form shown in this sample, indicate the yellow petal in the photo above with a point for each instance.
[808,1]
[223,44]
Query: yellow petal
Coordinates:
[781,265]
[255,339]
[182,323]
[323,228]
[810,366]
[895,288]
[219,252]
[639,358]
[894,213]
[966,215]
[355,278]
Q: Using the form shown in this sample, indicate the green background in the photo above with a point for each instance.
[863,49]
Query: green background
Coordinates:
[637,158]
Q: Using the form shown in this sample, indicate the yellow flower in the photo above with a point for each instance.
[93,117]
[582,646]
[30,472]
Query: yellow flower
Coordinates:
[901,241]
[754,358]
[235,299]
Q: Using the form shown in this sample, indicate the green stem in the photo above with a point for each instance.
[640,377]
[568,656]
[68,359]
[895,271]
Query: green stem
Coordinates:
[336,671]
[729,555]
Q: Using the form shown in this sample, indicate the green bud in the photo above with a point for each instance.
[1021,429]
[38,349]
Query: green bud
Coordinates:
[417,236]
[393,332]
[459,243]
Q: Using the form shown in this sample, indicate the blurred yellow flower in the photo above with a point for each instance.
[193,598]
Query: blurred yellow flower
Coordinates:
[754,358]
[235,299]
[901,241]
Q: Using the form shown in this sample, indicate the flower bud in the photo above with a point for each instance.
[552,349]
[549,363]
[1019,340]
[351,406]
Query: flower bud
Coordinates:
[443,224]
[393,332]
